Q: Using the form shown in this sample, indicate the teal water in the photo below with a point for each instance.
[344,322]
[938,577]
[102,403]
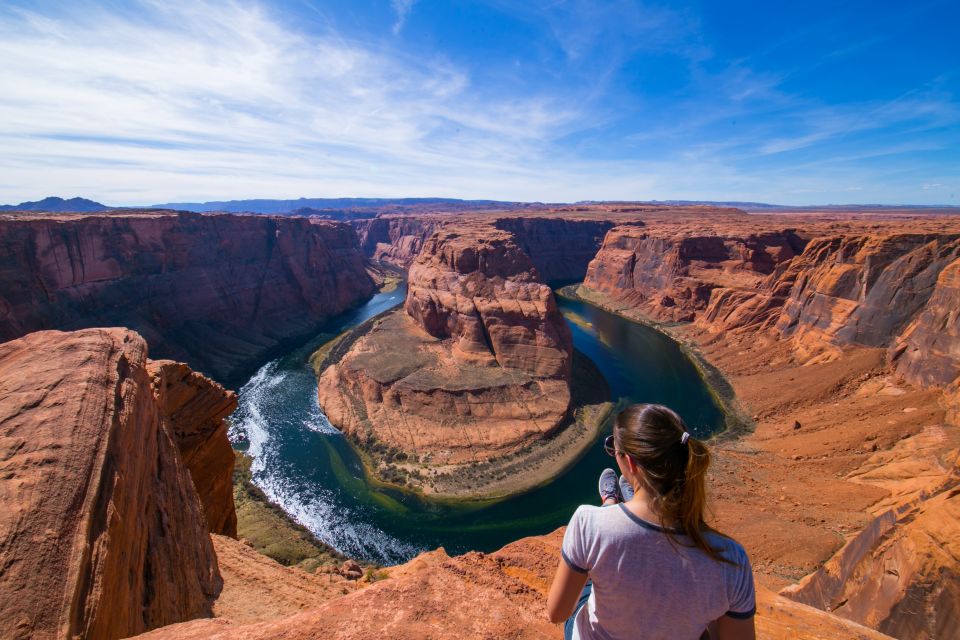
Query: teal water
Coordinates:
[305,465]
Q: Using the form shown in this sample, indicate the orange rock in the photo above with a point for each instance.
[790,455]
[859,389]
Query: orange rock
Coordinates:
[475,286]
[101,531]
[194,408]
[899,574]
[498,595]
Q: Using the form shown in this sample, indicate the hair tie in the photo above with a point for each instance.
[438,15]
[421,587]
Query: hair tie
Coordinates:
[684,438]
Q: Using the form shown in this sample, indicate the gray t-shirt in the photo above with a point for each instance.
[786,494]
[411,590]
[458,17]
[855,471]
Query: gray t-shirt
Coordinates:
[644,585]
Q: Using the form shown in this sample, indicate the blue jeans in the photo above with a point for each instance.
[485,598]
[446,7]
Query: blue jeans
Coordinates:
[584,596]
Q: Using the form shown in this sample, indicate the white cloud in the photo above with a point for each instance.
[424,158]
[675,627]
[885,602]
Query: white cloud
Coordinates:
[188,99]
[403,8]
[932,185]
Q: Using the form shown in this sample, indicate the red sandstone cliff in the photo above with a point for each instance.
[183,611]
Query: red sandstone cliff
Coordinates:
[560,248]
[217,291]
[101,531]
[194,409]
[669,274]
[862,289]
[478,288]
[396,240]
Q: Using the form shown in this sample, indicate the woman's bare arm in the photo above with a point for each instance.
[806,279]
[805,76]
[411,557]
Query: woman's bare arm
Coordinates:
[727,628]
[564,592]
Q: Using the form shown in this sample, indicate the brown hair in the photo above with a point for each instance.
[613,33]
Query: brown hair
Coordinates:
[674,471]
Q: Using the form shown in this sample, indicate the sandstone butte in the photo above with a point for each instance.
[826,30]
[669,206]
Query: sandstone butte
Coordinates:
[476,365]
[837,333]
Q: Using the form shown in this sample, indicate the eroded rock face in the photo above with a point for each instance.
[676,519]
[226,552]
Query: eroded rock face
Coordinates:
[476,287]
[216,291]
[670,274]
[396,240]
[862,289]
[928,351]
[194,408]
[101,530]
[899,575]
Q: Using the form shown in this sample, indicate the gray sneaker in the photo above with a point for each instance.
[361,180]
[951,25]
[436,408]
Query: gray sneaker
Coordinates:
[608,485]
[626,491]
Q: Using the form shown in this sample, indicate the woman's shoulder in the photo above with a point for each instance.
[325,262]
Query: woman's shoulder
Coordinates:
[728,547]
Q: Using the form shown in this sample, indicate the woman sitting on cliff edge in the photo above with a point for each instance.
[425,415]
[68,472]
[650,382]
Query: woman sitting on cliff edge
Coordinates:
[655,569]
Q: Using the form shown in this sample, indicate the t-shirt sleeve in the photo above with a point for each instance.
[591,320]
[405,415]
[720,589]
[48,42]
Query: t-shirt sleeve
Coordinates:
[573,550]
[743,599]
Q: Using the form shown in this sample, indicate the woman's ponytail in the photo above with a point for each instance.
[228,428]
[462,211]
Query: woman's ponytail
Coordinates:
[674,465]
[693,500]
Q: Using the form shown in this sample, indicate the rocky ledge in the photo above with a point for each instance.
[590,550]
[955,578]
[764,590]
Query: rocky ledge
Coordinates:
[102,532]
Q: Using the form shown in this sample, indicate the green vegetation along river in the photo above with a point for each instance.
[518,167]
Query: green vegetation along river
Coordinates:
[305,465]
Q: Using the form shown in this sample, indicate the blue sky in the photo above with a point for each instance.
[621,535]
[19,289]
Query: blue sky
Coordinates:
[792,103]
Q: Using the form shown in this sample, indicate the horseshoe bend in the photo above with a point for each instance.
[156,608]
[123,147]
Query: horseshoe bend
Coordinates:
[829,341]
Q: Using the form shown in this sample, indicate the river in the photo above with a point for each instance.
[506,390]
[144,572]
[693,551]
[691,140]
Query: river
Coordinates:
[304,464]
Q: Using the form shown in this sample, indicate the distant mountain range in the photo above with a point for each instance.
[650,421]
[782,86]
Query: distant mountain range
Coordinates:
[763,206]
[315,206]
[54,203]
[350,208]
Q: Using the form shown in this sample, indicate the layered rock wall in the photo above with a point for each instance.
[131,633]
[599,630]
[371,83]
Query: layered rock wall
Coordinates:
[396,240]
[101,531]
[217,291]
[560,248]
[194,409]
[478,288]
[899,575]
[928,350]
[862,289]
[670,275]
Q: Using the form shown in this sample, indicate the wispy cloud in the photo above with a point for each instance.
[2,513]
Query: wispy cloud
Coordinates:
[150,101]
[186,89]
[402,8]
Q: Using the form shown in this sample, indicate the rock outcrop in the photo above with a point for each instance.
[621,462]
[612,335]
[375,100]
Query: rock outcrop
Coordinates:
[669,274]
[216,291]
[928,351]
[560,246]
[396,240]
[101,531]
[194,409]
[862,289]
[900,574]
[476,287]
[435,595]
[477,367]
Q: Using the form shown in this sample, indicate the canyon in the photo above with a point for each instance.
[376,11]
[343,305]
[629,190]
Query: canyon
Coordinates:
[836,332]
[216,291]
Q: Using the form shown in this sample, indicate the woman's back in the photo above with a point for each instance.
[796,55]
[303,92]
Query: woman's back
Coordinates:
[646,585]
